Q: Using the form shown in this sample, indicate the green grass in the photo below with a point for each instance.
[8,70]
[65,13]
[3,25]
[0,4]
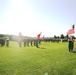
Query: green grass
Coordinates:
[50,58]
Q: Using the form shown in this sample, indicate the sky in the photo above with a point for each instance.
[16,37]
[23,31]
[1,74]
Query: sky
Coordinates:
[30,17]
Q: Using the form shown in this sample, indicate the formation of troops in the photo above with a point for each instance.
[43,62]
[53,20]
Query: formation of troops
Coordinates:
[25,42]
[21,41]
[28,42]
[33,42]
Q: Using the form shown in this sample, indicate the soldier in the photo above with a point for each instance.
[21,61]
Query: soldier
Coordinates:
[71,44]
[34,42]
[2,42]
[31,41]
[37,43]
[28,42]
[38,40]
[7,41]
[24,42]
[20,39]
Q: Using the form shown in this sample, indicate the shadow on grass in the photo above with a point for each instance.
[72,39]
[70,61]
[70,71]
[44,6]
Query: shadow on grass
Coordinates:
[41,47]
[73,51]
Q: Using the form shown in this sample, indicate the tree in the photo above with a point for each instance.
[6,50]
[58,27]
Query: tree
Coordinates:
[1,35]
[67,37]
[55,36]
[62,36]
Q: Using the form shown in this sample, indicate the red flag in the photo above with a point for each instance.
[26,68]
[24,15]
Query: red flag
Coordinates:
[38,36]
[71,31]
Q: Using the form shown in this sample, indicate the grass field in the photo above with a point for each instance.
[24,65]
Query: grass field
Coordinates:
[49,59]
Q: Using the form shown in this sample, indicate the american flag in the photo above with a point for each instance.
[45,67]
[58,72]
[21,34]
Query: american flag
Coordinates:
[71,31]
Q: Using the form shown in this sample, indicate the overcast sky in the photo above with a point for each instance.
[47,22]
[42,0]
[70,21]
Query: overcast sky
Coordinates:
[30,17]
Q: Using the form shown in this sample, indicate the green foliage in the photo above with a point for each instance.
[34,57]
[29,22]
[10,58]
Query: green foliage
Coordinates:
[50,58]
[1,35]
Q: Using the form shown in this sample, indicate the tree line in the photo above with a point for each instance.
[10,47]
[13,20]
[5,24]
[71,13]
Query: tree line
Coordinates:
[14,37]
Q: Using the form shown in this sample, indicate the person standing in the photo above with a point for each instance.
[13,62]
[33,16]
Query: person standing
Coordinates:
[31,41]
[70,44]
[20,39]
[7,41]
[38,40]
[28,42]
[24,42]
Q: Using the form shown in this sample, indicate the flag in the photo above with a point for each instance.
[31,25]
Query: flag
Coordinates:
[38,36]
[71,31]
